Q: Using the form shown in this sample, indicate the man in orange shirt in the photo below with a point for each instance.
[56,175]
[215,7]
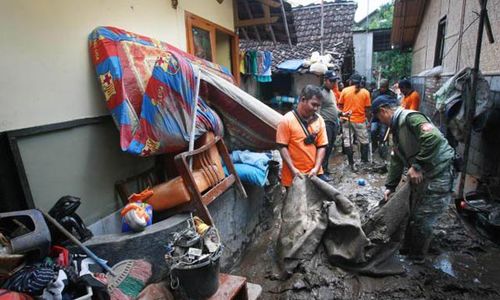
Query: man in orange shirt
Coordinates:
[301,137]
[411,99]
[354,103]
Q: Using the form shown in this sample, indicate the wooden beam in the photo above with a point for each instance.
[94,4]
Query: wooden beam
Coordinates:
[249,11]
[271,32]
[270,3]
[257,21]
[285,22]
[245,34]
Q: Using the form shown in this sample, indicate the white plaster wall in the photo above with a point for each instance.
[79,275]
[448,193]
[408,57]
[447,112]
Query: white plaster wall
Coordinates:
[363,53]
[46,75]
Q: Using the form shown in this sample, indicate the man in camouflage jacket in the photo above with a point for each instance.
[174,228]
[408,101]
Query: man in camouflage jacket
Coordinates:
[421,148]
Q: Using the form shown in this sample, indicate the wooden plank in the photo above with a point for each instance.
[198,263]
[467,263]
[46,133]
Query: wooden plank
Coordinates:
[217,190]
[231,287]
[249,11]
[230,166]
[21,172]
[58,126]
[257,21]
[270,3]
[190,184]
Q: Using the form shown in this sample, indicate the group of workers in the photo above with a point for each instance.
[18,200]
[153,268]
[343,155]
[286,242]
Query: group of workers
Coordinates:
[307,134]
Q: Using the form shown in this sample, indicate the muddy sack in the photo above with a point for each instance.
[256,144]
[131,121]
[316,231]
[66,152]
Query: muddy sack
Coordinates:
[315,212]
[304,220]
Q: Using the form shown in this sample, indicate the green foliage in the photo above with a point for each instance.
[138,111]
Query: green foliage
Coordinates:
[382,18]
[393,64]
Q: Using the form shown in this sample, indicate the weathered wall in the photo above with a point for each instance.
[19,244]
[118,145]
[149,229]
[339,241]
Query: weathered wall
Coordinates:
[299,81]
[84,162]
[363,52]
[236,218]
[460,39]
[47,75]
[459,51]
[484,159]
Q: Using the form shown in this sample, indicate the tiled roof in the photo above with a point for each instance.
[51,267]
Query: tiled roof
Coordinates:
[337,37]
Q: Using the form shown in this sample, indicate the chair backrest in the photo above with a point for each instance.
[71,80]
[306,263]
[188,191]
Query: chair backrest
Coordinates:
[139,182]
[204,157]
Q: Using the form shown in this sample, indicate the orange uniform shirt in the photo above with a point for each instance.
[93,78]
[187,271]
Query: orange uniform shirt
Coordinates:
[355,102]
[336,91]
[291,134]
[412,101]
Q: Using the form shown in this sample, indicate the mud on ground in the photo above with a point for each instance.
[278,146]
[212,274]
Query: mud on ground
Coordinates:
[461,264]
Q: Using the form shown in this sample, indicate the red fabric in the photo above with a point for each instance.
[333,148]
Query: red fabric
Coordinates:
[9,295]
[61,255]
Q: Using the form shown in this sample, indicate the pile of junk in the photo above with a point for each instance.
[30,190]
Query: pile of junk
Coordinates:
[42,256]
[163,101]
[480,208]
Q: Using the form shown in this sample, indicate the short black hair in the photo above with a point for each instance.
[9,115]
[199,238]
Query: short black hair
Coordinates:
[310,91]
[404,83]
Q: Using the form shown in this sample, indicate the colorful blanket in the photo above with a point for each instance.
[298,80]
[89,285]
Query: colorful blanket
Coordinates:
[149,88]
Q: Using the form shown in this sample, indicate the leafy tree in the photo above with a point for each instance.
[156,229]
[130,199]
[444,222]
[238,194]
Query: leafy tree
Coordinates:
[393,64]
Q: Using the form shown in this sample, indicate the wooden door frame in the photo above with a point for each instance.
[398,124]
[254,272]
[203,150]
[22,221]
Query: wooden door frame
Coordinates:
[212,28]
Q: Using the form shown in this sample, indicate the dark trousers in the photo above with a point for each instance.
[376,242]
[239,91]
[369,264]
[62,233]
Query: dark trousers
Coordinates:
[378,131]
[332,129]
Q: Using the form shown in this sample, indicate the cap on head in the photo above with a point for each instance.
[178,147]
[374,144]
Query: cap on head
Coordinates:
[331,75]
[381,101]
[355,78]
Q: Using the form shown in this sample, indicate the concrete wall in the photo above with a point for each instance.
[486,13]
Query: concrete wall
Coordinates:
[484,160]
[459,51]
[301,80]
[460,38]
[84,162]
[236,218]
[47,76]
[363,53]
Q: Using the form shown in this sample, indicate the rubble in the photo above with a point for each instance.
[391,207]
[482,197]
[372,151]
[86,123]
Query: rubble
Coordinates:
[461,264]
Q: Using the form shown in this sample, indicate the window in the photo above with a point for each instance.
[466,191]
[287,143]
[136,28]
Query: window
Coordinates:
[212,42]
[441,33]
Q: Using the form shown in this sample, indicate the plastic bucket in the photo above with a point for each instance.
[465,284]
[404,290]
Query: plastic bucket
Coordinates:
[199,281]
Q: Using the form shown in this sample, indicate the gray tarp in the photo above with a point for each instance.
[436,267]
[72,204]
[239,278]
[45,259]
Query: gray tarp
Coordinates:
[314,211]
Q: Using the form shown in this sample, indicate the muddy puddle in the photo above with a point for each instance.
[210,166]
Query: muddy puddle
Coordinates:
[461,264]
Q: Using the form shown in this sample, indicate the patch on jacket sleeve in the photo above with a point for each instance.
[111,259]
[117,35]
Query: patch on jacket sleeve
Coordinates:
[426,127]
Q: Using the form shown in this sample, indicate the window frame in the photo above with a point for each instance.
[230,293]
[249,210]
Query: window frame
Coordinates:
[193,20]
[440,40]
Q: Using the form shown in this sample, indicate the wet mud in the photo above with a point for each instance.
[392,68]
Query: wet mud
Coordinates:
[460,265]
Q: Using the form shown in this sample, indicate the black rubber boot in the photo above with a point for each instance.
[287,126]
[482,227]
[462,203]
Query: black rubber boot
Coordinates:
[364,152]
[418,244]
[350,158]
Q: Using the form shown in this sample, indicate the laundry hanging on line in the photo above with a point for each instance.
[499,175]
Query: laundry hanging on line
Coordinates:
[257,63]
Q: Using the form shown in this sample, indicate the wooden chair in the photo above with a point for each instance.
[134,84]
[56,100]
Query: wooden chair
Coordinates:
[198,201]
